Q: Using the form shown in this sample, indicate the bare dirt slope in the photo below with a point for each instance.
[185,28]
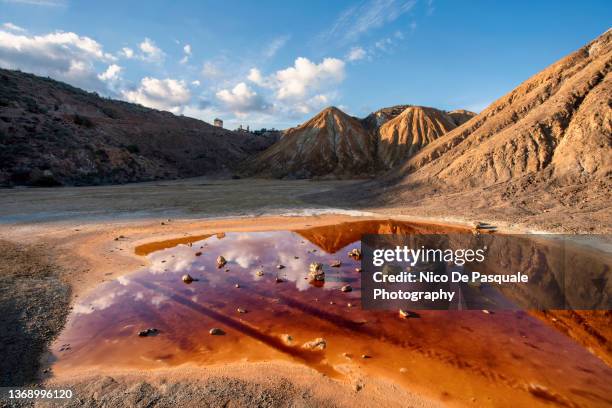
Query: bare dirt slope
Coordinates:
[408,132]
[559,121]
[541,156]
[460,116]
[52,133]
[334,144]
[330,143]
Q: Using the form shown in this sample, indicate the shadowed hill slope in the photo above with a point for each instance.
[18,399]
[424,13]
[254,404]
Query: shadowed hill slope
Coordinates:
[52,133]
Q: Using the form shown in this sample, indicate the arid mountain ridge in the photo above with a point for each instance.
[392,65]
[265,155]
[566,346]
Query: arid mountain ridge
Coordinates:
[540,155]
[335,144]
[54,134]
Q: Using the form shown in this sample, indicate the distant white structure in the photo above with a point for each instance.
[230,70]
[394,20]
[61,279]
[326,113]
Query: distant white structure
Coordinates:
[218,122]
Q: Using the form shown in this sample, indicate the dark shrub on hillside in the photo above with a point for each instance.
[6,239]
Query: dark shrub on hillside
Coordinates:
[132,148]
[83,121]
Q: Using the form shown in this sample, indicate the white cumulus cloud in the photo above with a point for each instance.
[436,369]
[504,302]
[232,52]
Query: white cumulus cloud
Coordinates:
[256,77]
[242,99]
[111,74]
[150,51]
[304,77]
[356,53]
[127,52]
[187,52]
[165,94]
[65,56]
[13,27]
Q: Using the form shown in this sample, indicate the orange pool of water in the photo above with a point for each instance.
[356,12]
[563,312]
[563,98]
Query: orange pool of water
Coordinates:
[503,358]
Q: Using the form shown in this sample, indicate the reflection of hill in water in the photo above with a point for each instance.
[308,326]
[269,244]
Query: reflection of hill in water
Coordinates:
[331,238]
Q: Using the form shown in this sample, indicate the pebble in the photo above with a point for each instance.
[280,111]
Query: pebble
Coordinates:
[335,264]
[358,270]
[241,310]
[221,261]
[364,356]
[279,280]
[316,344]
[287,339]
[346,288]
[187,278]
[403,370]
[355,253]
[237,285]
[198,253]
[215,331]
[279,266]
[259,273]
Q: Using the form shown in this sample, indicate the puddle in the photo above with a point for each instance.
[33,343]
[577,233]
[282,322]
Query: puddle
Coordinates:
[460,354]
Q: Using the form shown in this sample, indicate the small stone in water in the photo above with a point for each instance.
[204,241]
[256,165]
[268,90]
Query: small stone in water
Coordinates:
[241,310]
[259,273]
[335,264]
[355,254]
[221,261]
[215,331]
[316,272]
[187,278]
[346,288]
[316,344]
[198,253]
[279,280]
[279,266]
[287,339]
[364,356]
[237,285]
[358,270]
[403,370]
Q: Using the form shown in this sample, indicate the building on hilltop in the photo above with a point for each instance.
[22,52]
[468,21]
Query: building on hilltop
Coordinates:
[218,122]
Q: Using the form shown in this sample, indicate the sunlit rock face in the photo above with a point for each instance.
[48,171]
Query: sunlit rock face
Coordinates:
[411,130]
[330,144]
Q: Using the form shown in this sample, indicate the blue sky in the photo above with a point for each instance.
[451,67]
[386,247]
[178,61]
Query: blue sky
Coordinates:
[276,63]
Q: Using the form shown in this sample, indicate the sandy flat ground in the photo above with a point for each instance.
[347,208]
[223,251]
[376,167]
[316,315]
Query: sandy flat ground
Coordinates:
[73,230]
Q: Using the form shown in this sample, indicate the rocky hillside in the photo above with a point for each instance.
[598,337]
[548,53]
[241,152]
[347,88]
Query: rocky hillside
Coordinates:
[558,122]
[460,116]
[404,135]
[55,134]
[540,156]
[376,119]
[332,143]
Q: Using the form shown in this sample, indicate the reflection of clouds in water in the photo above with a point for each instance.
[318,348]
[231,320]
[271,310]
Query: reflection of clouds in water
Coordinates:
[184,258]
[123,280]
[101,303]
[252,251]
[158,299]
[139,296]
